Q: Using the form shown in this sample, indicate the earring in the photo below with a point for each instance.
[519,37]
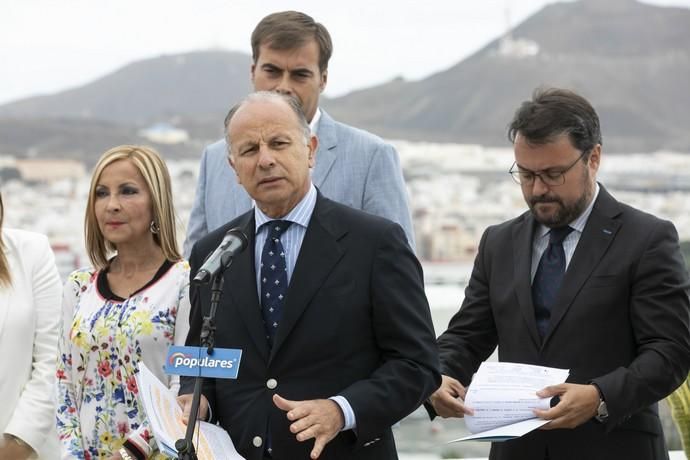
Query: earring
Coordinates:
[154,228]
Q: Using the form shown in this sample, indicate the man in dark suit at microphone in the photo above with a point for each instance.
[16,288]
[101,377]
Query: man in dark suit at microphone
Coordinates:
[327,304]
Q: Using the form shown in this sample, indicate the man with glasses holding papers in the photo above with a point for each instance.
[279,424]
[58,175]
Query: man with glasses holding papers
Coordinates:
[579,282]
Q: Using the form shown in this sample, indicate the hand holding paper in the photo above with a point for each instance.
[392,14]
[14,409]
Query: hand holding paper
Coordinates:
[504,399]
[165,416]
[449,399]
[185,402]
[578,403]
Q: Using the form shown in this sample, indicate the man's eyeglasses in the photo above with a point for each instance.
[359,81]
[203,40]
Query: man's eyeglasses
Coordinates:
[550,177]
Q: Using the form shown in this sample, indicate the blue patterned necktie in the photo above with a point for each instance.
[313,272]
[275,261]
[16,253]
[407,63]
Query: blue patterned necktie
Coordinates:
[274,282]
[549,276]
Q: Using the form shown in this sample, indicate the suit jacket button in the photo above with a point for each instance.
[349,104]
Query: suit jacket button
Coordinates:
[271,384]
[257,441]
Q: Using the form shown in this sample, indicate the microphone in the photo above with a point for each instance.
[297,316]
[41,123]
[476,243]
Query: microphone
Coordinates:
[233,243]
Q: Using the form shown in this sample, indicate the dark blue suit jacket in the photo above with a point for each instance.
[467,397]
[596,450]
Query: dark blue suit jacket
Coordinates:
[356,323]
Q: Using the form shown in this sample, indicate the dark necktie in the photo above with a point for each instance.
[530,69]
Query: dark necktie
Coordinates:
[549,276]
[274,281]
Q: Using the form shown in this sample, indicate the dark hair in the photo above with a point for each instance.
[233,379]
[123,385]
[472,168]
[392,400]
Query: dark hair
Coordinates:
[269,96]
[288,30]
[553,112]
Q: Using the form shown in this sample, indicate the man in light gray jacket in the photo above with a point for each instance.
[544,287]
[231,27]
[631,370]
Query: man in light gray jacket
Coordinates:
[290,55]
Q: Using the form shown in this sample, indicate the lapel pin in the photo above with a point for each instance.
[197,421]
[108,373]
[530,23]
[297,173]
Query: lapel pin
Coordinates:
[607,231]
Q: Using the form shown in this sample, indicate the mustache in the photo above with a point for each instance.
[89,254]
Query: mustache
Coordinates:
[544,199]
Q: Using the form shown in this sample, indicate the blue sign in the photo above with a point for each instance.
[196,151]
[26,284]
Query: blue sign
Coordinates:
[224,363]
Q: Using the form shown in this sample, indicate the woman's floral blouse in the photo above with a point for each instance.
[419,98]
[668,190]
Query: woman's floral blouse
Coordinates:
[103,340]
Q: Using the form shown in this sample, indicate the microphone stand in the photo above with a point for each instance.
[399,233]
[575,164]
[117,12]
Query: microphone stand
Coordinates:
[185,446]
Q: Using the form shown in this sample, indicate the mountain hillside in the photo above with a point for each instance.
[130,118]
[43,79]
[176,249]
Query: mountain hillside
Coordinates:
[162,88]
[630,59]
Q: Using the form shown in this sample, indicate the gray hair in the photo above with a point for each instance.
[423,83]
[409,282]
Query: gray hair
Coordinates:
[270,96]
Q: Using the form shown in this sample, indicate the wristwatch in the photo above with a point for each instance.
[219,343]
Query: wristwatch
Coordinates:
[602,411]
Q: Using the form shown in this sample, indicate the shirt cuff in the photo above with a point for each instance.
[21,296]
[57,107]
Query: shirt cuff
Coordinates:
[348,413]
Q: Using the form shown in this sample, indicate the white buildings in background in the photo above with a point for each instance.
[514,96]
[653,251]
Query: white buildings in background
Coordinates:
[49,170]
[456,191]
[164,133]
[517,47]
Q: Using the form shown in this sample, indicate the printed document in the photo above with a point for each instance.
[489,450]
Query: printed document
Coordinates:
[165,416]
[503,397]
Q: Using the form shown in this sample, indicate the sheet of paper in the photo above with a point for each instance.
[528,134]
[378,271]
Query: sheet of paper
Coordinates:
[503,395]
[165,417]
[507,432]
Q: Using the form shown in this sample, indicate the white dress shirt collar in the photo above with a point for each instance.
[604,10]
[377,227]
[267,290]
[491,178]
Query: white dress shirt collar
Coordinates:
[314,124]
[300,214]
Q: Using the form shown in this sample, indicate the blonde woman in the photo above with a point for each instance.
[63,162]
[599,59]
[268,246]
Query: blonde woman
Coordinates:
[129,308]
[30,291]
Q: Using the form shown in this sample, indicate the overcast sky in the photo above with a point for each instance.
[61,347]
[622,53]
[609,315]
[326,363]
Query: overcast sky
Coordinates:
[51,45]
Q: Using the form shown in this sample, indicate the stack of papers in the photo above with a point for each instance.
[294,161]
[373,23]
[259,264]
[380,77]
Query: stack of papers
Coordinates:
[165,416]
[503,397]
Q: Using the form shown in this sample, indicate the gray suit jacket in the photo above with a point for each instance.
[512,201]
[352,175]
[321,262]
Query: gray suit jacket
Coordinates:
[353,167]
